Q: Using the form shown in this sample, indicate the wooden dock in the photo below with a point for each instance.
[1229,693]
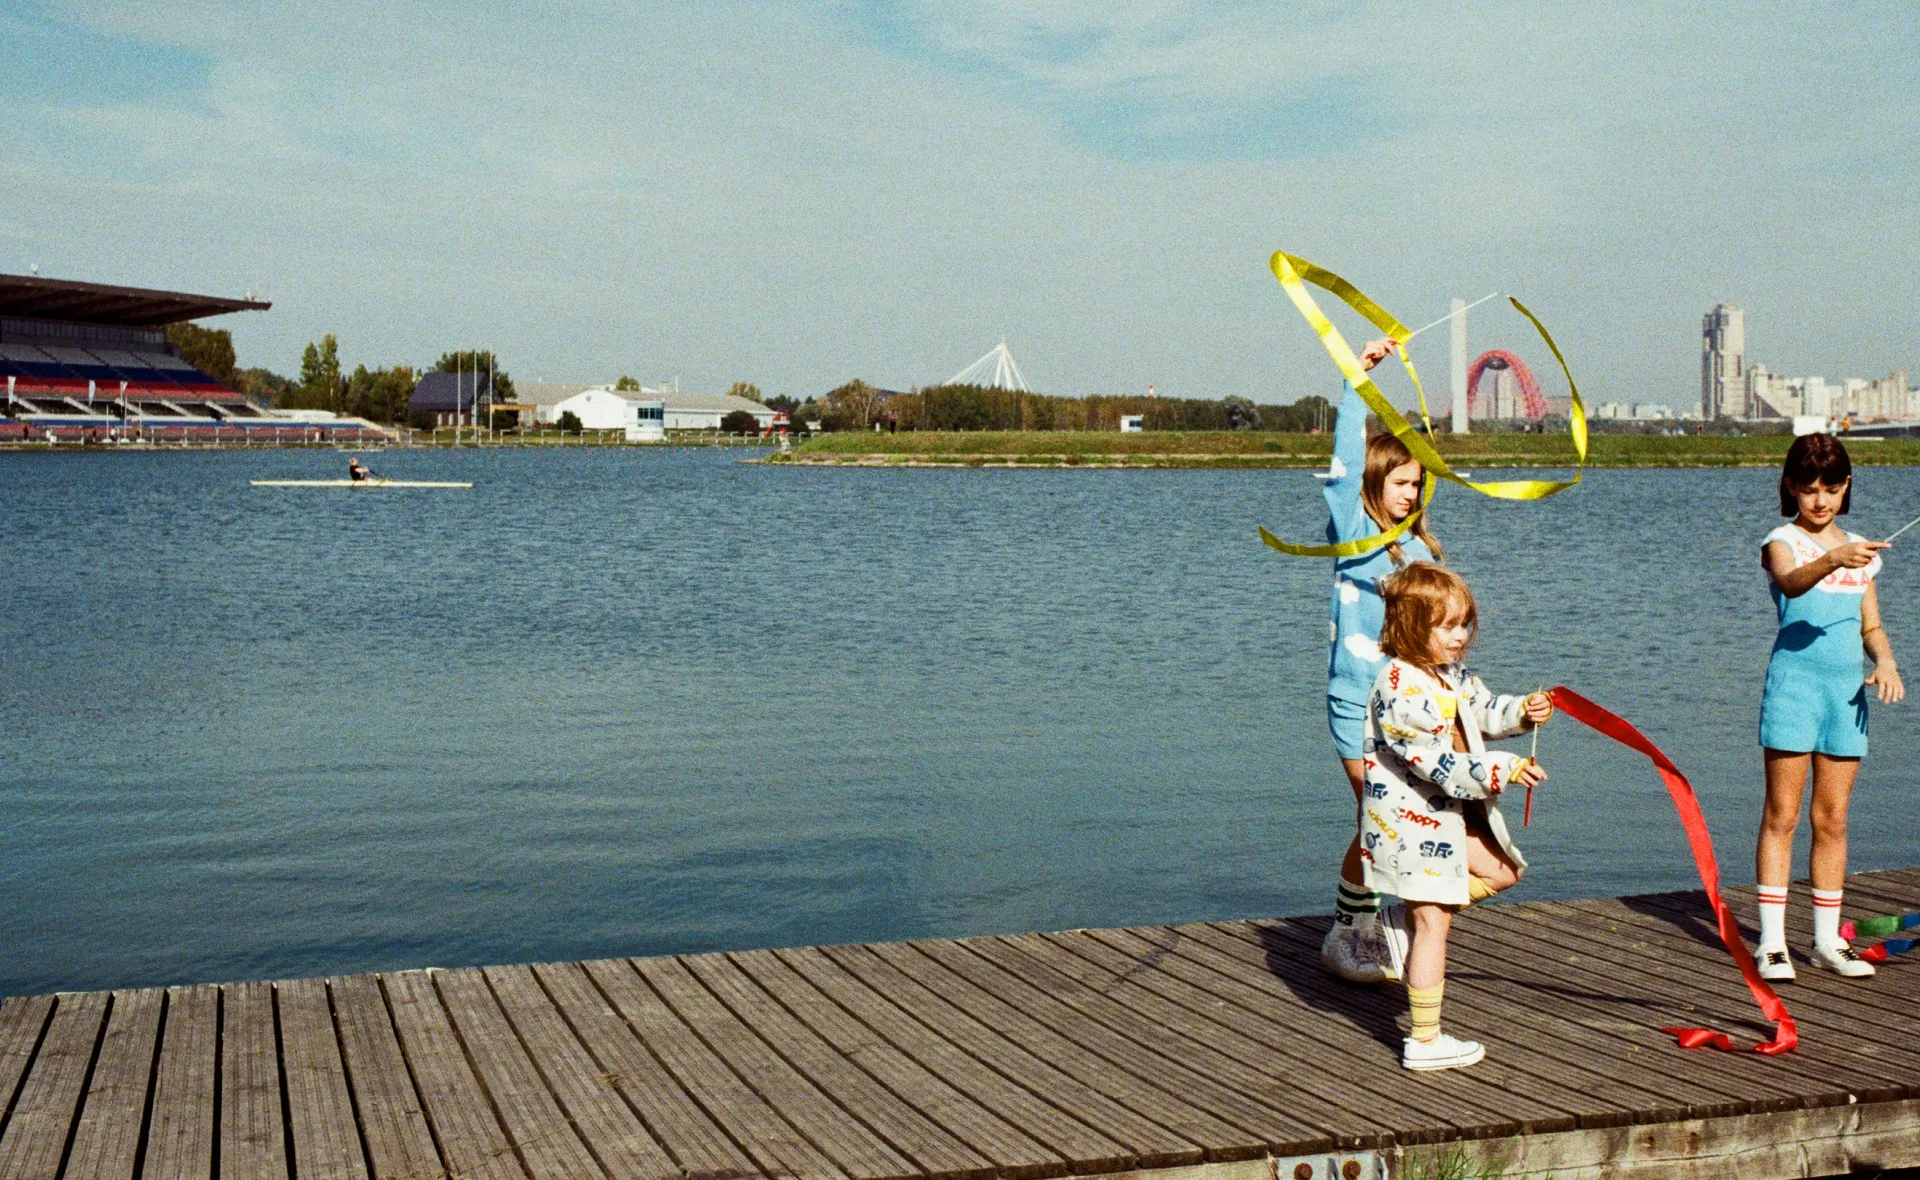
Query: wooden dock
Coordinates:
[1214,1051]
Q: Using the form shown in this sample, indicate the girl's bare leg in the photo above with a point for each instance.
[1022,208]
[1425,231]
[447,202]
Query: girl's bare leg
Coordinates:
[1832,789]
[1356,778]
[1786,786]
[1488,861]
[1427,954]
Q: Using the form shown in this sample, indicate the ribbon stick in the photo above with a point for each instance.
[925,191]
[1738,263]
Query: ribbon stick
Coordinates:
[1785,1034]
[1294,274]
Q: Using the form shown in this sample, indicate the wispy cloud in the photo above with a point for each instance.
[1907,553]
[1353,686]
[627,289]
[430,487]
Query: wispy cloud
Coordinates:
[797,194]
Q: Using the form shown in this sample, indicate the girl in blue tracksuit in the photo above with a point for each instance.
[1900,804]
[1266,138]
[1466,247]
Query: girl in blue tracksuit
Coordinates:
[1375,483]
[1813,714]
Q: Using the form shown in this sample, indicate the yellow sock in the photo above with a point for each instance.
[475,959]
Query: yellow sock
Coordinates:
[1478,890]
[1425,1005]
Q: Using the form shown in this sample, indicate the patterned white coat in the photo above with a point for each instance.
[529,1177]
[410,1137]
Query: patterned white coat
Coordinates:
[1413,825]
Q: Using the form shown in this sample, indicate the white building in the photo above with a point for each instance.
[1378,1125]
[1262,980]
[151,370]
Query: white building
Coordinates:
[703,411]
[1723,348]
[597,409]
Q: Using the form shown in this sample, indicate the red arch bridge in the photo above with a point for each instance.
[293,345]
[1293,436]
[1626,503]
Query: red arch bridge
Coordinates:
[1533,404]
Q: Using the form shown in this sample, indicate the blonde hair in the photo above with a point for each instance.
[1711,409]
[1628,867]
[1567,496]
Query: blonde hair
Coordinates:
[1384,453]
[1419,598]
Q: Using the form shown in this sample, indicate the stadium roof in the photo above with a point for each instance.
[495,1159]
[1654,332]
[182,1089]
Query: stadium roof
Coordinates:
[94,303]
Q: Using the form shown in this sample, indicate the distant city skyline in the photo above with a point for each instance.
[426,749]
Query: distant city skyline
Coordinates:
[1730,387]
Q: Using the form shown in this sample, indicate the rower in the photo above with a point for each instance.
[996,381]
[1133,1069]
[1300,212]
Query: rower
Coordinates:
[356,472]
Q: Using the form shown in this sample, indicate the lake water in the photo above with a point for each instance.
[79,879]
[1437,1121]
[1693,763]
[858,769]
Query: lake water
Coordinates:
[630,702]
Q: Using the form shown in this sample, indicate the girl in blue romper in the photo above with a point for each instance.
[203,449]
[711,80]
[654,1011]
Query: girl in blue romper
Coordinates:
[1374,484]
[1813,715]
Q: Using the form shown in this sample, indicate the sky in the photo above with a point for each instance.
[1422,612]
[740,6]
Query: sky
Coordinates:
[798,194]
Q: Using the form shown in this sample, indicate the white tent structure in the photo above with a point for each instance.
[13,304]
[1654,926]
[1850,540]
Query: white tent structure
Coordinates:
[996,370]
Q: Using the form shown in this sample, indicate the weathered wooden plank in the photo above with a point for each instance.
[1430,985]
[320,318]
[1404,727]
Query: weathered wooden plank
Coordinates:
[1284,1001]
[471,1138]
[545,1138]
[1015,1154]
[22,1021]
[1224,1057]
[1172,1065]
[928,1146]
[852,1145]
[611,1131]
[106,1143]
[1151,1144]
[1830,1054]
[180,1128]
[1594,1015]
[326,1139]
[668,1112]
[391,1117]
[1517,1038]
[253,1140]
[1084,1148]
[36,1136]
[776,1147]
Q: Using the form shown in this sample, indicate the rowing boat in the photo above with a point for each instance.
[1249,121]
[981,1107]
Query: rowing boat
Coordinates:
[355,483]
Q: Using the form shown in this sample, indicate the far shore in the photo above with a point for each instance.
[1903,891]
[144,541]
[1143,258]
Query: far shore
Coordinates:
[1244,449]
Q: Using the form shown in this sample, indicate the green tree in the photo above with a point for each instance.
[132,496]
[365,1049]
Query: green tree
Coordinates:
[265,385]
[625,384]
[477,360]
[569,422]
[380,395]
[785,403]
[744,389]
[740,422]
[1241,413]
[320,376]
[850,407]
[208,349]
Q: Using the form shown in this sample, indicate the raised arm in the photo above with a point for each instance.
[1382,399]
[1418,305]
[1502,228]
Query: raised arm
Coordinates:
[1349,515]
[1797,580]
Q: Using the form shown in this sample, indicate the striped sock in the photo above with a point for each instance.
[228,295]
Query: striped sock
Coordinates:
[1355,907]
[1424,1004]
[1826,917]
[1773,916]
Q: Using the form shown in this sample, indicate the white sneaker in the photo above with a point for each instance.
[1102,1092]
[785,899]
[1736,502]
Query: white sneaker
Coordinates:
[1841,960]
[1442,1052]
[1392,928]
[1775,966]
[1344,953]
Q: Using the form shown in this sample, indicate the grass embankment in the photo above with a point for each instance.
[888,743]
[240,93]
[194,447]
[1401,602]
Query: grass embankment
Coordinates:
[1255,448]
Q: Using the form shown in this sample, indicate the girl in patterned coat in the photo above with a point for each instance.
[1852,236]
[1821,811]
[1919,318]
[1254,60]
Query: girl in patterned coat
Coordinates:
[1813,715]
[1431,831]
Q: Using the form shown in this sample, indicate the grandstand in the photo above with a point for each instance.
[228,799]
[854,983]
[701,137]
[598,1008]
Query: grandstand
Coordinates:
[88,362]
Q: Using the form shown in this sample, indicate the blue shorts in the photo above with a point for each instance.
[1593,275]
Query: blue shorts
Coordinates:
[1348,721]
[1809,714]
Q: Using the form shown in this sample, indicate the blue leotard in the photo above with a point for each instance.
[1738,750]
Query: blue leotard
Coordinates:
[1357,611]
[1816,695]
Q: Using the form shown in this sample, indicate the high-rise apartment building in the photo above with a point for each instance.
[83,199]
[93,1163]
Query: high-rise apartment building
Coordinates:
[1723,347]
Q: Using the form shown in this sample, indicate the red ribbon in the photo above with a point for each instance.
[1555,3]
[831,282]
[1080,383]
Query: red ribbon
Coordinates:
[1785,1034]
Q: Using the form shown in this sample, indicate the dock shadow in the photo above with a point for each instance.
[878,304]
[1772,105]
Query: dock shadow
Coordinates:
[1373,1012]
[1686,913]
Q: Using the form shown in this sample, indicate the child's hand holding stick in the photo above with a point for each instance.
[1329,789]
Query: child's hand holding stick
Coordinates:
[1539,711]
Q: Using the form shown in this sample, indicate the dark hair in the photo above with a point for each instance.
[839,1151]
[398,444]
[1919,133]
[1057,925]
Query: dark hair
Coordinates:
[1815,458]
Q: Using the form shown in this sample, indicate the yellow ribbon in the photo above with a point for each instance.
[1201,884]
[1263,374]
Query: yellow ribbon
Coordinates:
[1294,274]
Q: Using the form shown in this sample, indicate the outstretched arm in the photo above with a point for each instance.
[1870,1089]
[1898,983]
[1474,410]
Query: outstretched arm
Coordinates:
[1797,580]
[1411,726]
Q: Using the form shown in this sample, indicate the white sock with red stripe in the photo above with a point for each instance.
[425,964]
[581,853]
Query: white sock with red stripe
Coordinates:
[1773,916]
[1826,917]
